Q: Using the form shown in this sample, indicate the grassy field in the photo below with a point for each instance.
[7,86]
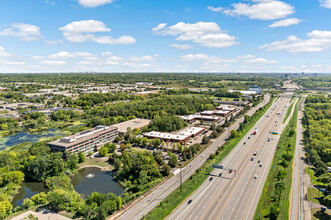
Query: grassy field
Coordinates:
[314,195]
[94,162]
[316,214]
[313,178]
[263,209]
[193,183]
[288,112]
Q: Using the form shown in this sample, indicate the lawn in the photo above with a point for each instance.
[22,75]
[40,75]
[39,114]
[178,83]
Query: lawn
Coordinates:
[314,195]
[94,162]
[313,178]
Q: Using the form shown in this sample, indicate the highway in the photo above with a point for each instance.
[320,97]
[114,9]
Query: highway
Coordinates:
[150,201]
[235,195]
[297,194]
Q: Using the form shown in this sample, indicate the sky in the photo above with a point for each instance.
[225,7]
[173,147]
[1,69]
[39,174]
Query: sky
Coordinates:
[265,36]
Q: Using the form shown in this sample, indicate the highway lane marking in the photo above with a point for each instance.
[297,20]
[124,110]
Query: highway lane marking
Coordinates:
[264,170]
[229,196]
[259,122]
[202,193]
[198,159]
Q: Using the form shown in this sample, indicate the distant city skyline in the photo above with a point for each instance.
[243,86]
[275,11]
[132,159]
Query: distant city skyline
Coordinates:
[165,36]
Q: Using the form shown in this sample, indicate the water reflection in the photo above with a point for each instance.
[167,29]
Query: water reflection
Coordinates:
[92,179]
[28,190]
[15,139]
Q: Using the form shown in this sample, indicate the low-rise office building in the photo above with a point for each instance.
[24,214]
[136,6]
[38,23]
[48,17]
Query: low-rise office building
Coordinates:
[85,141]
[133,124]
[238,103]
[190,118]
[181,136]
[226,108]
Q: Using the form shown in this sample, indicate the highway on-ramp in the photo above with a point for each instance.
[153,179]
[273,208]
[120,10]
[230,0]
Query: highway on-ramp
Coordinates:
[150,201]
[235,195]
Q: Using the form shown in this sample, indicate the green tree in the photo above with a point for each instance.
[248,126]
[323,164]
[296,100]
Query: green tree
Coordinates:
[39,199]
[205,140]
[103,151]
[173,160]
[5,209]
[81,157]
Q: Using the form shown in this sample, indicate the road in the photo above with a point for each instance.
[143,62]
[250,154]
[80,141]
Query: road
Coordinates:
[146,204]
[234,196]
[297,194]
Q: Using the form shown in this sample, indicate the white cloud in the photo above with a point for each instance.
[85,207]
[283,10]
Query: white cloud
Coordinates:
[54,41]
[82,31]
[259,61]
[142,58]
[181,46]
[67,55]
[317,41]
[3,52]
[53,62]
[285,22]
[94,3]
[262,10]
[213,9]
[208,34]
[15,63]
[213,63]
[325,3]
[26,32]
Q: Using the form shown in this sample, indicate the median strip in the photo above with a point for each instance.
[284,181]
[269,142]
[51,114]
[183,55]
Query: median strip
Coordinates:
[190,185]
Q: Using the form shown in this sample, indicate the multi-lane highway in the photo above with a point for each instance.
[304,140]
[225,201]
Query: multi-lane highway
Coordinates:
[297,194]
[235,195]
[146,204]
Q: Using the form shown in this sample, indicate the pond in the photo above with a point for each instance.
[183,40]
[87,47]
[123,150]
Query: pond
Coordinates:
[28,190]
[15,139]
[88,180]
[92,179]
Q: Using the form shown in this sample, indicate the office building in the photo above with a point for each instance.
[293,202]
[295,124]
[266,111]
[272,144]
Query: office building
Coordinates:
[85,141]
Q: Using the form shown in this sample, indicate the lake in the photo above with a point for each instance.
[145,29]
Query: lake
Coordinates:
[15,139]
[86,181]
[28,190]
[92,179]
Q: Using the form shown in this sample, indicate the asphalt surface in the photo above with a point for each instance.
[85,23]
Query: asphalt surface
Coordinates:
[297,194]
[146,204]
[235,195]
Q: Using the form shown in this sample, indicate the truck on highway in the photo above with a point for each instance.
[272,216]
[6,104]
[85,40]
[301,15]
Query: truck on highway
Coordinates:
[274,133]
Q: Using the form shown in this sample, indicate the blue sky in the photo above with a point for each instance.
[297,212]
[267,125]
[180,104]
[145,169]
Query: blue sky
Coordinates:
[165,36]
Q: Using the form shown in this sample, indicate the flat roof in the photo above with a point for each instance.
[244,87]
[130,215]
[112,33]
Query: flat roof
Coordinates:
[134,123]
[197,116]
[179,136]
[221,112]
[81,136]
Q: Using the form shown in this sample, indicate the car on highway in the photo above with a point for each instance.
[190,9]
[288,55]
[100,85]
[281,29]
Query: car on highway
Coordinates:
[211,178]
[249,137]
[255,177]
[230,171]
[190,201]
[259,161]
[252,158]
[260,165]
[244,143]
[220,174]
